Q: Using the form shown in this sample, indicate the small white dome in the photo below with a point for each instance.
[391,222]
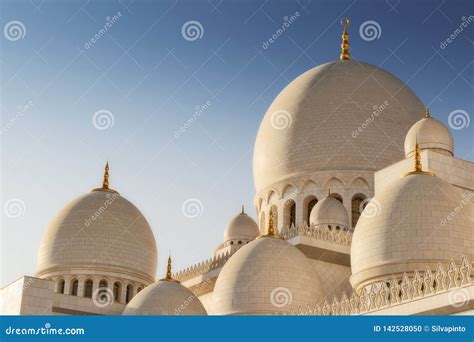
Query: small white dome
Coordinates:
[431,134]
[269,275]
[165,298]
[99,231]
[241,227]
[416,222]
[329,211]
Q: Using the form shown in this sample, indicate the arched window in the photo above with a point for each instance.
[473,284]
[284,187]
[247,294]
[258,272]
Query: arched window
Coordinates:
[74,287]
[239,242]
[88,288]
[357,206]
[117,289]
[289,213]
[61,285]
[129,293]
[308,205]
[103,283]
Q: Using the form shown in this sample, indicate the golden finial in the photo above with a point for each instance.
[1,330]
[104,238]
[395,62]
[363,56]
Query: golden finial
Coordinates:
[243,210]
[169,276]
[345,54]
[271,230]
[105,181]
[427,113]
[417,167]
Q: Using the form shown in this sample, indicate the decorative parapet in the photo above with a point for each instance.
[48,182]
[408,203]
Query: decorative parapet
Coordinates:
[395,291]
[202,267]
[339,236]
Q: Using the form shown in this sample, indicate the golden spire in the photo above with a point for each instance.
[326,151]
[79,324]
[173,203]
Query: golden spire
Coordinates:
[169,276]
[427,113]
[243,209]
[271,230]
[417,167]
[345,54]
[105,181]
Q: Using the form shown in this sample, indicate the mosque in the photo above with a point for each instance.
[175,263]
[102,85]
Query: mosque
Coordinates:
[347,224]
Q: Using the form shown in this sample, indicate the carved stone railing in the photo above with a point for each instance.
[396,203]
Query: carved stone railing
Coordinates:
[339,236]
[202,267]
[392,291]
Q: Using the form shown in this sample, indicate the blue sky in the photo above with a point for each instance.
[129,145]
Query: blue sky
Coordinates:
[145,75]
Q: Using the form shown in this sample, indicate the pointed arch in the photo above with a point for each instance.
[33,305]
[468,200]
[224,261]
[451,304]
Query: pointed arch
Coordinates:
[308,204]
[357,206]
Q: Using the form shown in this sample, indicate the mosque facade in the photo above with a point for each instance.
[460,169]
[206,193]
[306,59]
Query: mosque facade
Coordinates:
[362,208]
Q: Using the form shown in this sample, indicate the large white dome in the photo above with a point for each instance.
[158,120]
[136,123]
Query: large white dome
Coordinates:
[343,115]
[420,220]
[99,231]
[269,275]
[241,227]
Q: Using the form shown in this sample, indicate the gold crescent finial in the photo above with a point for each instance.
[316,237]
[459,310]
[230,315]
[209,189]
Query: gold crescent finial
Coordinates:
[105,180]
[417,167]
[169,275]
[427,113]
[345,54]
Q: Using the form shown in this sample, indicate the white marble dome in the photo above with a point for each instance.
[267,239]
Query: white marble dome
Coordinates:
[329,212]
[430,134]
[100,231]
[334,117]
[165,298]
[269,275]
[416,222]
[241,228]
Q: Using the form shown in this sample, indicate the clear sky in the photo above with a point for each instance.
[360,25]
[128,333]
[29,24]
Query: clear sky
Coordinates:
[145,76]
